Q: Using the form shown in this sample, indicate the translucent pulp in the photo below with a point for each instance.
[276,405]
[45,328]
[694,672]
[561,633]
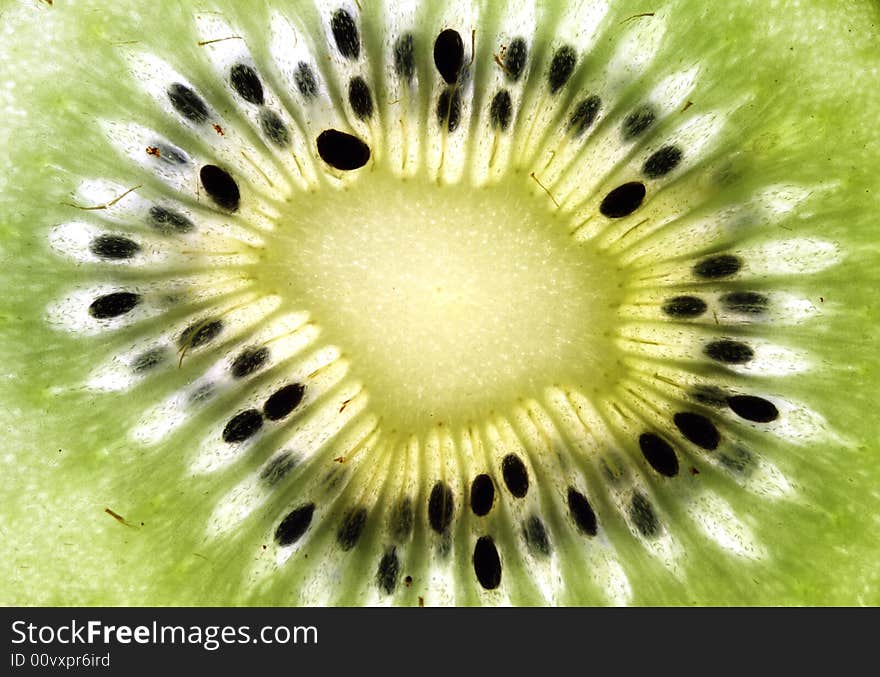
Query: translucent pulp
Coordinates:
[449,301]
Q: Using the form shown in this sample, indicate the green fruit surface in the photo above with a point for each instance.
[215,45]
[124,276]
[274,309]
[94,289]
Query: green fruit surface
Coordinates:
[800,86]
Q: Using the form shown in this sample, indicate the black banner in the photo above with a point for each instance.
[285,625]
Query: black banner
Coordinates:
[143,641]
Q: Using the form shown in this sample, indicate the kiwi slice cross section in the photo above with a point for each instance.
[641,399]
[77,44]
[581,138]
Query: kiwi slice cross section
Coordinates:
[444,303]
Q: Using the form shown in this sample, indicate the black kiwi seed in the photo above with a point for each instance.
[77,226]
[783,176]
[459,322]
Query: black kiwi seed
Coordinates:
[295,524]
[582,512]
[449,108]
[187,103]
[114,247]
[561,67]
[248,361]
[662,162]
[278,468]
[482,494]
[449,55]
[623,200]
[516,477]
[659,453]
[719,266]
[345,33]
[283,401]
[501,110]
[746,302]
[729,352]
[388,571]
[584,115]
[220,186]
[684,306]
[515,57]
[200,333]
[698,429]
[441,504]
[638,121]
[274,128]
[168,221]
[351,528]
[487,563]
[243,425]
[535,535]
[753,408]
[642,515]
[246,82]
[359,98]
[305,80]
[342,151]
[402,520]
[150,359]
[405,57]
[113,305]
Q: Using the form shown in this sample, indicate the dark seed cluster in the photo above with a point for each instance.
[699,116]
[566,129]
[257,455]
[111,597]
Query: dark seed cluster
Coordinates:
[344,151]
[277,406]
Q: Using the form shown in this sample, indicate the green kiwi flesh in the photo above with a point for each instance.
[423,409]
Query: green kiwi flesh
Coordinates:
[494,303]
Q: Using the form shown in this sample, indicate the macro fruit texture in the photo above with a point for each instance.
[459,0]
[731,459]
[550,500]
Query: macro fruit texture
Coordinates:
[443,303]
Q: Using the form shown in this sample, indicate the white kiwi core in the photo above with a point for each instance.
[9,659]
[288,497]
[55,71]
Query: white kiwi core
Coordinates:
[449,301]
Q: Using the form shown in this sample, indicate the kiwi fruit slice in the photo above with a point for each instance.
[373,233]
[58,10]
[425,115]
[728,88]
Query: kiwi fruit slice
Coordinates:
[451,303]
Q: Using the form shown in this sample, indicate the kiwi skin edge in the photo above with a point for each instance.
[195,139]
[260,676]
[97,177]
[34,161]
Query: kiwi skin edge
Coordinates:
[795,162]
